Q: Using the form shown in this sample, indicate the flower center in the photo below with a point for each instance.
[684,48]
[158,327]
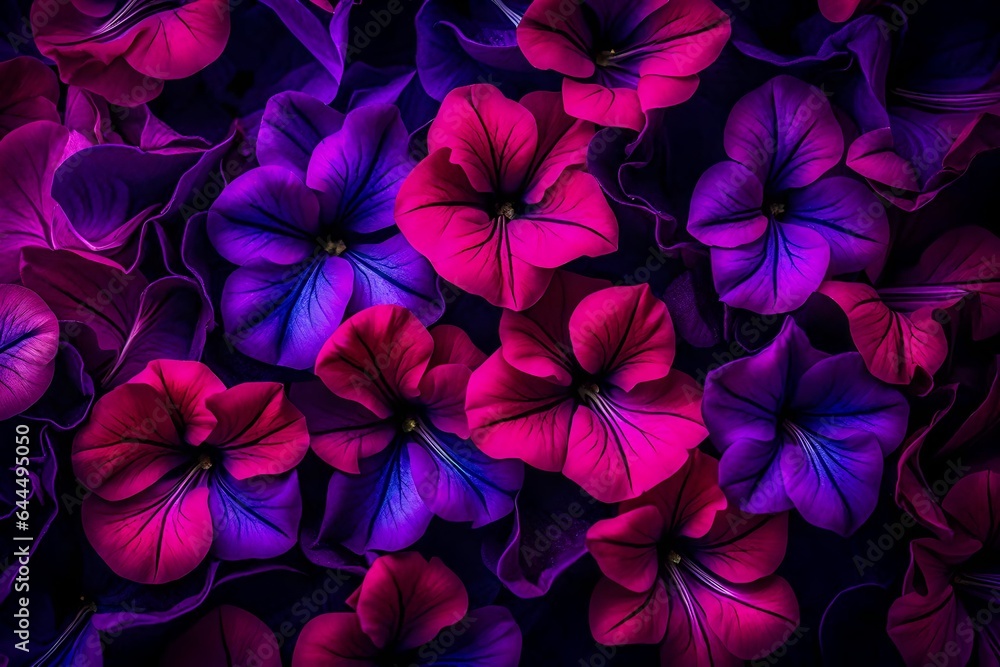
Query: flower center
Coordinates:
[204,462]
[603,58]
[776,209]
[334,247]
[674,557]
[588,391]
[409,425]
[506,210]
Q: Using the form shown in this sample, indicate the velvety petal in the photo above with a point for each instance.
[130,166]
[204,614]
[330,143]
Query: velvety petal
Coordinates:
[687,37]
[29,341]
[223,635]
[186,385]
[536,341]
[623,334]
[741,547]
[176,43]
[406,600]
[624,443]
[832,482]
[562,142]
[379,509]
[442,392]
[29,91]
[130,442]
[493,139]
[750,619]
[266,213]
[925,623]
[358,169]
[341,432]
[620,616]
[283,314]
[786,132]
[336,640]
[453,346]
[836,398]
[625,547]
[726,206]
[969,506]
[292,126]
[156,536]
[375,357]
[571,220]
[750,473]
[256,517]
[491,639]
[258,430]
[555,39]
[614,107]
[898,348]
[848,215]
[774,274]
[392,272]
[690,639]
[460,483]
[958,267]
[514,415]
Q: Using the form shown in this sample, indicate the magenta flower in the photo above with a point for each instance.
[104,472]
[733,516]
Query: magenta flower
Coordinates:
[410,611]
[502,200]
[776,220]
[226,635]
[391,419]
[123,50]
[681,572]
[948,605]
[180,466]
[621,59]
[582,383]
[895,324]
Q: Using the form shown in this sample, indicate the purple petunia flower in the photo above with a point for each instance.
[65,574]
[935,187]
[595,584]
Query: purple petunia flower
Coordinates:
[313,232]
[801,428]
[776,220]
[392,420]
[29,340]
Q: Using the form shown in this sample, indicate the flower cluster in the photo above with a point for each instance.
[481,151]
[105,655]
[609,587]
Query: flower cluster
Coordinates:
[489,333]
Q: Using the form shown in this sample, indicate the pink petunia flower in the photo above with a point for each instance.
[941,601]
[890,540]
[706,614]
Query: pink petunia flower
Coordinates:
[681,572]
[622,58]
[407,610]
[582,383]
[180,466]
[502,199]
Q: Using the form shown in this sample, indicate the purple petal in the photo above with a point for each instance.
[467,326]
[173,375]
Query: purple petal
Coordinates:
[256,517]
[29,341]
[292,126]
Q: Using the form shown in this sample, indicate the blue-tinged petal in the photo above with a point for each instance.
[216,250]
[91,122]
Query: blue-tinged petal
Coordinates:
[392,272]
[377,510]
[774,274]
[267,213]
[486,637]
[292,126]
[256,517]
[29,341]
[283,314]
[358,170]
[458,481]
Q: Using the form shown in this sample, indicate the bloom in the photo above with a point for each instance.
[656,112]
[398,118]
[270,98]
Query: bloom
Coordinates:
[582,383]
[180,466]
[404,603]
[502,201]
[623,59]
[950,589]
[124,50]
[776,223]
[680,573]
[805,429]
[312,230]
[391,420]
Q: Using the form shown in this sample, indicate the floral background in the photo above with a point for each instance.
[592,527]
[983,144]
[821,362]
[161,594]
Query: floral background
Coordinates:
[497,332]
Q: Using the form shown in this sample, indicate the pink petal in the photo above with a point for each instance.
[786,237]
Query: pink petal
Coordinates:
[563,142]
[227,635]
[335,640]
[614,107]
[185,386]
[625,547]
[453,346]
[551,38]
[442,391]
[620,616]
[178,43]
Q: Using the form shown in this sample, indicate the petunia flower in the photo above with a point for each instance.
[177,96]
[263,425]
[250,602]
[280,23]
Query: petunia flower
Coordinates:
[897,323]
[801,428]
[119,321]
[681,572]
[950,592]
[582,384]
[410,611]
[391,420]
[622,59]
[29,91]
[312,230]
[124,50]
[776,221]
[502,200]
[29,341]
[181,467]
